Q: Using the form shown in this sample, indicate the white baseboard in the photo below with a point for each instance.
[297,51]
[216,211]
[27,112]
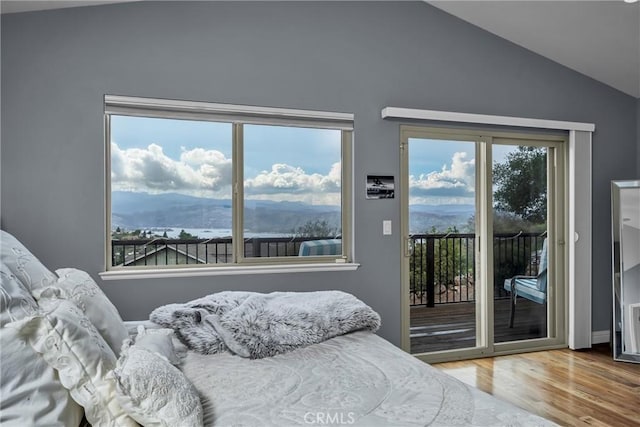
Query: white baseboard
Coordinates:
[600,337]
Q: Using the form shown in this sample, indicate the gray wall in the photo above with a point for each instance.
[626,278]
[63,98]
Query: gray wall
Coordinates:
[338,56]
[638,137]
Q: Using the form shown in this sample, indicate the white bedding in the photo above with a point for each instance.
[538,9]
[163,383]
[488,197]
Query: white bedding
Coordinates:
[355,379]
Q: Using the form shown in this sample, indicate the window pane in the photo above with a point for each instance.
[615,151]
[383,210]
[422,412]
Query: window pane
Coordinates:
[170,191]
[442,227]
[292,191]
[520,224]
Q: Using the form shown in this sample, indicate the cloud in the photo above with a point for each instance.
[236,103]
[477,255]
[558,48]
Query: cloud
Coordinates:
[454,181]
[150,169]
[203,173]
[283,178]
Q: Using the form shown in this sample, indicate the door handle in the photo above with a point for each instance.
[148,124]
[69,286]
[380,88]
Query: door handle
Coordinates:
[408,246]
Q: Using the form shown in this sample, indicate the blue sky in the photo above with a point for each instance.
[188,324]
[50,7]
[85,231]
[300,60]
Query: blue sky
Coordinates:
[280,163]
[172,135]
[441,172]
[194,157]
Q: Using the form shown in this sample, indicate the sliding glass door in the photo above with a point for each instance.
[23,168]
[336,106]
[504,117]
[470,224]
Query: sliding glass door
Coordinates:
[465,295]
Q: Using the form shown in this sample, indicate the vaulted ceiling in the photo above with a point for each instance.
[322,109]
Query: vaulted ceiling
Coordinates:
[600,39]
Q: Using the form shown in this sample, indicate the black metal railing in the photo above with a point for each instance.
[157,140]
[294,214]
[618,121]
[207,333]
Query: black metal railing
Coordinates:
[443,266]
[165,251]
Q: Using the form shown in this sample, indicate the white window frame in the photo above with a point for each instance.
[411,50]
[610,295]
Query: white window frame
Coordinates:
[484,141]
[237,115]
[579,201]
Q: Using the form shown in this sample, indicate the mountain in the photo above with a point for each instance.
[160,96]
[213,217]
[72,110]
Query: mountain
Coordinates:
[133,202]
[132,210]
[423,218]
[444,209]
[171,210]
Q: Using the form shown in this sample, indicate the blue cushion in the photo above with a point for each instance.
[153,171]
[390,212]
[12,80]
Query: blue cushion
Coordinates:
[533,288]
[321,247]
[528,288]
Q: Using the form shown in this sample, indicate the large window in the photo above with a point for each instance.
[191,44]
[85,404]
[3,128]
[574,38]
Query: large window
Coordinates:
[201,184]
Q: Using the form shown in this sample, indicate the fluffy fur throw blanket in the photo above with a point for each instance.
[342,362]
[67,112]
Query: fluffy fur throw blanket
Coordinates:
[257,325]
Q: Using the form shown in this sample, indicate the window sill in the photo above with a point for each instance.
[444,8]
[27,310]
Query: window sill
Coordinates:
[225,271]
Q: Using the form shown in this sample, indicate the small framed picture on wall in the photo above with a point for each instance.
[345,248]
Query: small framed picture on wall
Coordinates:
[380,187]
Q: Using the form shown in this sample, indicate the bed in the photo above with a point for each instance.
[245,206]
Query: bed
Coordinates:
[355,379]
[69,359]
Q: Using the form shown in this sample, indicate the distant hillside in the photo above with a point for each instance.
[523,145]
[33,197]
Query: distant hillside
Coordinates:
[131,202]
[142,210]
[422,218]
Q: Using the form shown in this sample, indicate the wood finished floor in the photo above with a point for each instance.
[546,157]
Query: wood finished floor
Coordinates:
[571,388]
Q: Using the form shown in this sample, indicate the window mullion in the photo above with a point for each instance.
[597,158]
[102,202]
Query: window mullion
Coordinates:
[346,194]
[485,311]
[238,193]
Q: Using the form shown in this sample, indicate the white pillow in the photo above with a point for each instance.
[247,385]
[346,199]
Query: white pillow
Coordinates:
[70,343]
[26,267]
[79,287]
[153,391]
[30,391]
[159,341]
[16,302]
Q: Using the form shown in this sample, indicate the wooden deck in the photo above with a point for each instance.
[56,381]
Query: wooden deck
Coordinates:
[452,326]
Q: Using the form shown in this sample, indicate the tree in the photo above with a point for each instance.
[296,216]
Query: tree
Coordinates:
[508,222]
[452,259]
[316,228]
[185,236]
[521,184]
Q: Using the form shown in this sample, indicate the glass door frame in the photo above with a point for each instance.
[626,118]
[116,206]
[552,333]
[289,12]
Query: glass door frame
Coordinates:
[557,226]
